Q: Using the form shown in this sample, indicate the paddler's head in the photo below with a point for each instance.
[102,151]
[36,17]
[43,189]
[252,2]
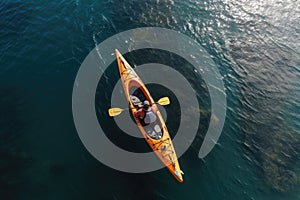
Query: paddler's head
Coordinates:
[146,105]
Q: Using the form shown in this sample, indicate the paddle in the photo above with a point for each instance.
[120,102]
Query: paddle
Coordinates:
[116,111]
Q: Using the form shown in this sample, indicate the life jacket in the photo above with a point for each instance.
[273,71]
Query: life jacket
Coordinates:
[150,117]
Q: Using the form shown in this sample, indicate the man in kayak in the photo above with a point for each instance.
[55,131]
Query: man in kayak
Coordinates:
[147,113]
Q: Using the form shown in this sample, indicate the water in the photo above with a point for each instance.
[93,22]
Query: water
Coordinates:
[256,47]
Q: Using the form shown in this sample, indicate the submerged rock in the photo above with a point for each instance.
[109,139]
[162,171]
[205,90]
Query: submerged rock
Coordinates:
[276,153]
[278,177]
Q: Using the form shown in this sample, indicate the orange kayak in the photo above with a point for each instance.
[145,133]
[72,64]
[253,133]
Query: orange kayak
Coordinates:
[156,134]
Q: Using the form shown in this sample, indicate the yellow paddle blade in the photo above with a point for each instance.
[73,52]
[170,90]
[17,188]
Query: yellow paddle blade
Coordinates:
[164,101]
[114,111]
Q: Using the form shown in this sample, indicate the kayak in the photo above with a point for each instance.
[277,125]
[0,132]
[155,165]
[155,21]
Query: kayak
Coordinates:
[156,134]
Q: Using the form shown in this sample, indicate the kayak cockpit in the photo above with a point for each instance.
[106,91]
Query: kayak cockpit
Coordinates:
[153,130]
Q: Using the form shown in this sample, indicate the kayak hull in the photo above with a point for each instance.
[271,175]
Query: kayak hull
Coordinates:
[161,143]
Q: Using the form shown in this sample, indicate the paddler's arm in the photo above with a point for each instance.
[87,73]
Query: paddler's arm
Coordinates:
[139,113]
[154,109]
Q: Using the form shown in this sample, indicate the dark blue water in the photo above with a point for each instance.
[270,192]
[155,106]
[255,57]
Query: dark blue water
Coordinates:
[256,47]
